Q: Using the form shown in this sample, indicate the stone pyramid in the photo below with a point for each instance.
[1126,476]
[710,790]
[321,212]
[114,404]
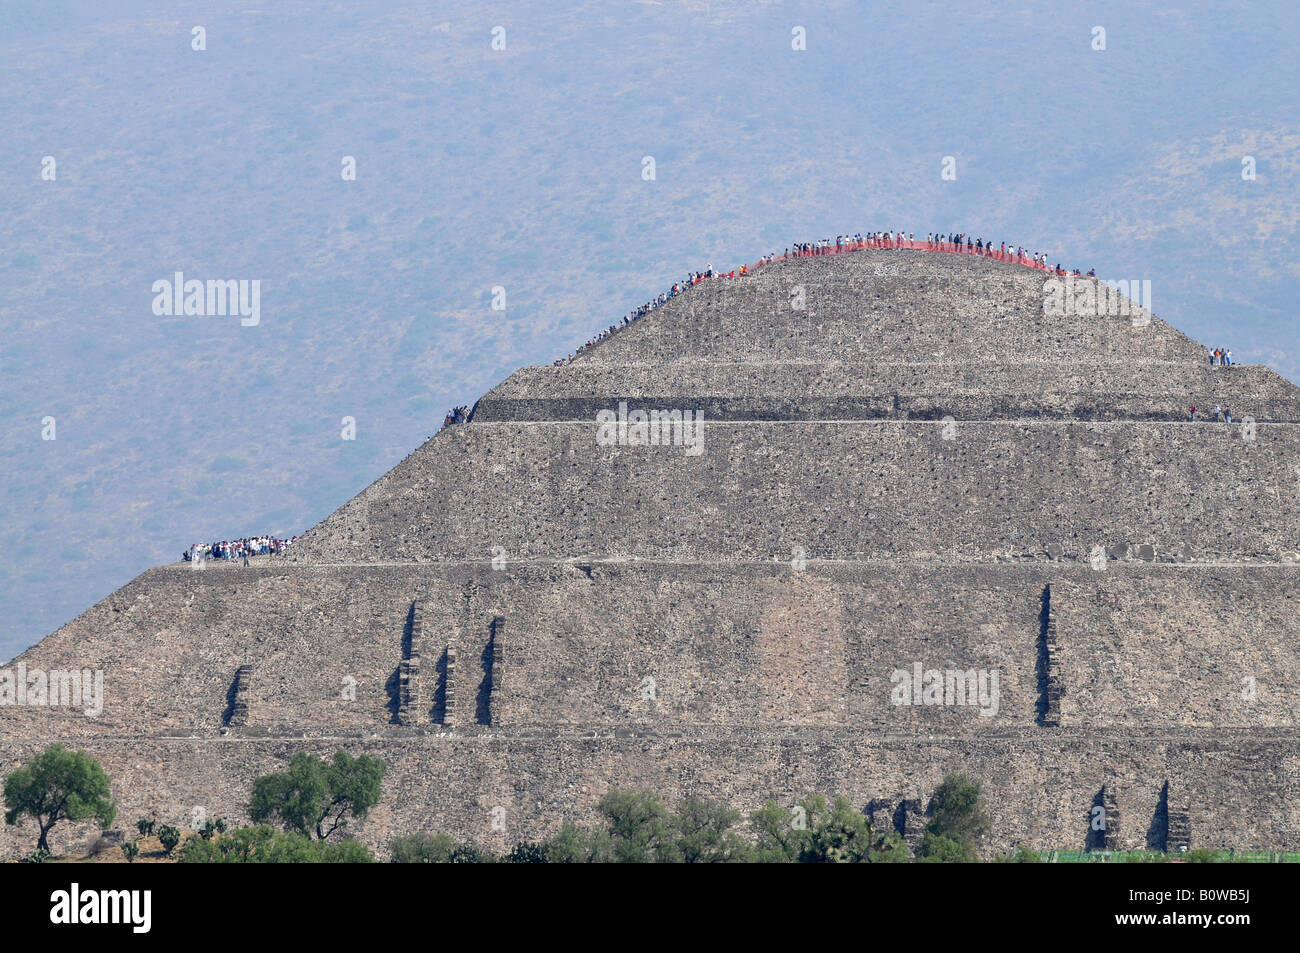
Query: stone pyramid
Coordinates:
[908,466]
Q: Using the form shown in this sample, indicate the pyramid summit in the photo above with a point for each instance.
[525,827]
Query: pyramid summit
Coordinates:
[933,525]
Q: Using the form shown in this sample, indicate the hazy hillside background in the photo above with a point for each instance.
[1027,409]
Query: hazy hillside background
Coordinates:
[522,168]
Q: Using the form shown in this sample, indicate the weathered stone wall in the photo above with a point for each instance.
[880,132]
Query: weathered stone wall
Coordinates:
[1200,648]
[847,489]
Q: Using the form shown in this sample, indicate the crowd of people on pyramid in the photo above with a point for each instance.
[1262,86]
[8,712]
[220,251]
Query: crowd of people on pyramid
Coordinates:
[1219,357]
[238,548]
[457,415]
[934,241]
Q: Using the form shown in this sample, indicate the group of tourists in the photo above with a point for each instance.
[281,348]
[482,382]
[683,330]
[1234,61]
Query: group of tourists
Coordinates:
[953,242]
[934,241]
[1222,414]
[457,415]
[238,548]
[1219,356]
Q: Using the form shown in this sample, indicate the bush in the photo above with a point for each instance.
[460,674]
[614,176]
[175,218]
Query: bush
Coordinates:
[527,852]
[211,828]
[945,849]
[145,827]
[890,848]
[422,849]
[265,845]
[130,850]
[465,854]
[169,836]
[1021,855]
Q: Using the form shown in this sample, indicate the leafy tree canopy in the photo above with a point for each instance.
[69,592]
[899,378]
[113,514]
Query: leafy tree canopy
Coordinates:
[59,785]
[314,796]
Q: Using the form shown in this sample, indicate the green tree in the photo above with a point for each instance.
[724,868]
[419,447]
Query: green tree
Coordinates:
[840,835]
[638,826]
[701,833]
[573,845]
[315,796]
[59,785]
[781,836]
[819,832]
[958,821]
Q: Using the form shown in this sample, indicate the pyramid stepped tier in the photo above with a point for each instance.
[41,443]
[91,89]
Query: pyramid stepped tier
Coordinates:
[1150,390]
[903,307]
[839,489]
[754,645]
[927,526]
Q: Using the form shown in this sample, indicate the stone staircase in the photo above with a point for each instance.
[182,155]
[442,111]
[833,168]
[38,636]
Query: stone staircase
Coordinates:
[1110,835]
[238,712]
[1053,688]
[496,671]
[1178,838]
[408,671]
